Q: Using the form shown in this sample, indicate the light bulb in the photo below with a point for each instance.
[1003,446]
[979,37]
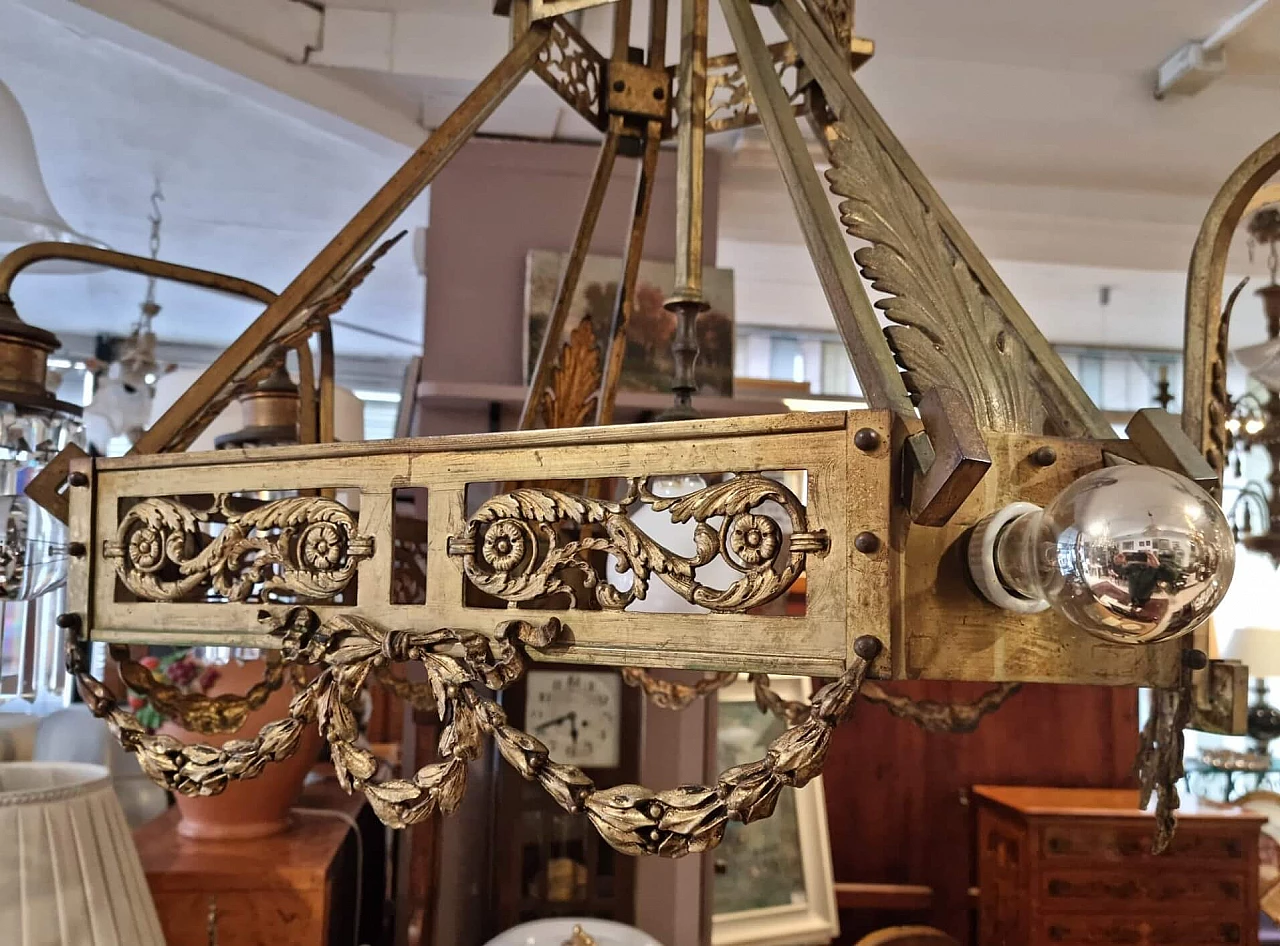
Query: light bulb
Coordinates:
[1131,554]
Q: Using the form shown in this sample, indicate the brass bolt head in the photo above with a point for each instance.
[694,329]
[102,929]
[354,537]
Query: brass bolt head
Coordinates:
[1044,456]
[78,479]
[868,543]
[867,647]
[1194,659]
[866,439]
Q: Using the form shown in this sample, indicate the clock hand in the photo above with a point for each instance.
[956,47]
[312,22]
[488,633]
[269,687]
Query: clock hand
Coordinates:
[573,726]
[543,727]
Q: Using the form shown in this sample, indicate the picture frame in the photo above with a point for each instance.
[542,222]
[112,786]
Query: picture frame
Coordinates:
[774,883]
[648,361]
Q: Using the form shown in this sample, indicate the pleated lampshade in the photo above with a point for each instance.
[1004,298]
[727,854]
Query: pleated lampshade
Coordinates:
[69,873]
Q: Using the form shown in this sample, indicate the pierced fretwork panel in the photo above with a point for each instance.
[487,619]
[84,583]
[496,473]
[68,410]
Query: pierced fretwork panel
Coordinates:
[574,70]
[533,554]
[675,543]
[730,104]
[242,547]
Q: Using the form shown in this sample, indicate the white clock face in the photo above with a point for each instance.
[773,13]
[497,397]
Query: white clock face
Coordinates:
[576,715]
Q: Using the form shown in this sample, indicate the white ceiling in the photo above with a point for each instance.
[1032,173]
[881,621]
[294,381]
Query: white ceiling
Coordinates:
[248,191]
[1035,118]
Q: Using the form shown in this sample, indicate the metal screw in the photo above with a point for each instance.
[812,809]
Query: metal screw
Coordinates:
[1045,456]
[76,549]
[78,479]
[866,439]
[1195,659]
[71,622]
[619,85]
[867,647]
[868,543]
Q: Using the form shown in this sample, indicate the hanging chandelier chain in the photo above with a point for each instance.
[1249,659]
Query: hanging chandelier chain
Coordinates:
[156,218]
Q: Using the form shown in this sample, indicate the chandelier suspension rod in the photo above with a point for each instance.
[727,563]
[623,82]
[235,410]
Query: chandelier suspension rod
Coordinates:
[691,141]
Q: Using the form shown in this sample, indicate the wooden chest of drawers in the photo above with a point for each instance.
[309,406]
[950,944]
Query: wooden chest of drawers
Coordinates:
[1073,867]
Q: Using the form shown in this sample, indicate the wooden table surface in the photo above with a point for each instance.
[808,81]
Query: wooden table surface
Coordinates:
[1111,802]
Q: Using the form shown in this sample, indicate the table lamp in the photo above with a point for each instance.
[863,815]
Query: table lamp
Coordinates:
[69,873]
[1258,648]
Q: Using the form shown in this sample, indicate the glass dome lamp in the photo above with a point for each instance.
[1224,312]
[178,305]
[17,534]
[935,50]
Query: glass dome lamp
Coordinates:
[1131,554]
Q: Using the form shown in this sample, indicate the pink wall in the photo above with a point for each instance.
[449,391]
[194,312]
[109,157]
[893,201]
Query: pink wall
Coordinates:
[496,201]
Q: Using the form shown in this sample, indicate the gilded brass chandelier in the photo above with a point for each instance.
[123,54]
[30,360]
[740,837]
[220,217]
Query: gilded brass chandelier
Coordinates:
[980,521]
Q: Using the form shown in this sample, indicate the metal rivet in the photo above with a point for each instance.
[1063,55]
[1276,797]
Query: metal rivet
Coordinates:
[659,94]
[866,438]
[78,479]
[868,543]
[1195,659]
[70,621]
[1045,456]
[76,549]
[619,86]
[867,647]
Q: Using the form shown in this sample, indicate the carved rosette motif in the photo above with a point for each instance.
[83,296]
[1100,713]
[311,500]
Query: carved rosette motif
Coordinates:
[302,545]
[730,103]
[573,69]
[513,547]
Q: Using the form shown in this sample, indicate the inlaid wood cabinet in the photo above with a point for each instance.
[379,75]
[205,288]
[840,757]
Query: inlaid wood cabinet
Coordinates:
[1074,867]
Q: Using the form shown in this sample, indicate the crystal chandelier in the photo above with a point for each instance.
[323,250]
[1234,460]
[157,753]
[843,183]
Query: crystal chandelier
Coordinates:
[979,462]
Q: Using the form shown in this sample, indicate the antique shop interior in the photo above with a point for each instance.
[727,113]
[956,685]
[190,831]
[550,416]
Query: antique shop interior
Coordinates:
[639,473]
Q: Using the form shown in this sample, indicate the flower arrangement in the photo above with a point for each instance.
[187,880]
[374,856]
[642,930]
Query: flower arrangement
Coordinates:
[179,668]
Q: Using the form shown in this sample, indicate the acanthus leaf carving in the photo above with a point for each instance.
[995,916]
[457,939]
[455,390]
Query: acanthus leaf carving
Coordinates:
[570,399]
[947,332]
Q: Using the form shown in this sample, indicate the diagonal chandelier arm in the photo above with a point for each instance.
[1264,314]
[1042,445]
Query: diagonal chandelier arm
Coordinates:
[1018,353]
[354,240]
[625,78]
[574,263]
[856,319]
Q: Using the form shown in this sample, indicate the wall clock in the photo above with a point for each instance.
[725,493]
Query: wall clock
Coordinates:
[546,862]
[577,714]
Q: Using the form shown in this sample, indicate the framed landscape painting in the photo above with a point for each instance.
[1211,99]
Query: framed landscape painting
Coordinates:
[773,879]
[648,364]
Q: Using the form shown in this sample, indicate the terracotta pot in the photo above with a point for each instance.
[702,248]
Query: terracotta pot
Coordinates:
[254,808]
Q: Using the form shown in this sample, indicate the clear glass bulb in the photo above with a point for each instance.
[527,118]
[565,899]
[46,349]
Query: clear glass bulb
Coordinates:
[1131,554]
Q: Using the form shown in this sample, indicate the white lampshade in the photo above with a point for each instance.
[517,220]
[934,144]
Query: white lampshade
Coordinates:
[69,873]
[27,214]
[1258,648]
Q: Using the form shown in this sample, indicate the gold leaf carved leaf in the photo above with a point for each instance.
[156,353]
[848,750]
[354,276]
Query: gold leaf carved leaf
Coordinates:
[571,397]
[947,331]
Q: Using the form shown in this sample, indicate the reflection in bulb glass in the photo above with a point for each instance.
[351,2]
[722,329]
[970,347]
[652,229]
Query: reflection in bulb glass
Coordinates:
[1132,554]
